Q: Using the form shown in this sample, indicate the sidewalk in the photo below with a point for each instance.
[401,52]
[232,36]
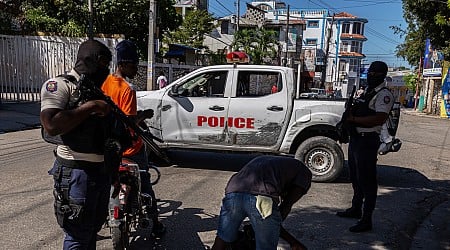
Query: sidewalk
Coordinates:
[432,228]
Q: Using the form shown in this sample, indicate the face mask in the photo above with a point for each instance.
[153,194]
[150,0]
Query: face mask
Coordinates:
[100,76]
[374,80]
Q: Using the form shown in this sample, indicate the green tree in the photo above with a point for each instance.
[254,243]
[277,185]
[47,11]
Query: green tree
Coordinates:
[71,18]
[426,19]
[260,44]
[410,81]
[195,25]
[9,16]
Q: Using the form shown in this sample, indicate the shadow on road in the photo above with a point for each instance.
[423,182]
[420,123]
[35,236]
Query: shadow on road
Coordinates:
[210,160]
[183,227]
[405,199]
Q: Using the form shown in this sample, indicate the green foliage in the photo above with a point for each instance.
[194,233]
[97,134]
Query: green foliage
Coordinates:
[71,18]
[38,20]
[8,15]
[410,81]
[260,44]
[195,25]
[426,19]
[216,58]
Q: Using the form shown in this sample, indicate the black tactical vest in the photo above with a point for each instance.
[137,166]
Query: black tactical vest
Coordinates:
[87,137]
[361,105]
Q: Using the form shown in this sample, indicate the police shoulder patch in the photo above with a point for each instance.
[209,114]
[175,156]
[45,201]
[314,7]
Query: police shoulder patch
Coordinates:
[387,99]
[51,86]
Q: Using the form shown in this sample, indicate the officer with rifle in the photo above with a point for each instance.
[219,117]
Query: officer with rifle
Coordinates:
[363,122]
[85,131]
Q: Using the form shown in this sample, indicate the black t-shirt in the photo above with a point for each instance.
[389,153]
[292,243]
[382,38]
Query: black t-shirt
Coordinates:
[270,176]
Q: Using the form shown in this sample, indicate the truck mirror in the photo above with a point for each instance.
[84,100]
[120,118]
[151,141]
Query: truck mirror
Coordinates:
[174,90]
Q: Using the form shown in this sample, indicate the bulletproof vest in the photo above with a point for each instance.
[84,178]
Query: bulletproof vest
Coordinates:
[361,105]
[88,137]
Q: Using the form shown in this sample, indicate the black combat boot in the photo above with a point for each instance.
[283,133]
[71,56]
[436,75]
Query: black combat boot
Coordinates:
[350,213]
[363,225]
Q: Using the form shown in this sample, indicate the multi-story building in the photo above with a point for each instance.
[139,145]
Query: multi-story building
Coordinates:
[331,45]
[221,38]
[346,50]
[184,6]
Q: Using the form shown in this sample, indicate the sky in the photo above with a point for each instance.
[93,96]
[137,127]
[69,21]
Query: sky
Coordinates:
[381,41]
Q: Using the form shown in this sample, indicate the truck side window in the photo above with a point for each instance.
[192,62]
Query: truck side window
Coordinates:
[208,84]
[257,83]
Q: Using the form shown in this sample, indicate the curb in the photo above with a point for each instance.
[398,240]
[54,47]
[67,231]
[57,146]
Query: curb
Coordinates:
[417,113]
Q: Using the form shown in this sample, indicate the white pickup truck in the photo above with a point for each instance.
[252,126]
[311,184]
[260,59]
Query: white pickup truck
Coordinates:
[247,108]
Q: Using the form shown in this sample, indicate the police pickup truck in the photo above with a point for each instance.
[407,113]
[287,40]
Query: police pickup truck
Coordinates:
[247,108]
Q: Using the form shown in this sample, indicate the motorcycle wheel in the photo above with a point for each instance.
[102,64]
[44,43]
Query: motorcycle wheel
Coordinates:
[155,175]
[119,237]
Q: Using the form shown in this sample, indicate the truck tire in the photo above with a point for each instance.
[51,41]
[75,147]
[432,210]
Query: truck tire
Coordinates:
[323,156]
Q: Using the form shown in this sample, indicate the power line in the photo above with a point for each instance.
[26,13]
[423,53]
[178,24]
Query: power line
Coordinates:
[378,54]
[376,45]
[386,20]
[223,6]
[218,11]
[382,36]
[371,1]
[365,5]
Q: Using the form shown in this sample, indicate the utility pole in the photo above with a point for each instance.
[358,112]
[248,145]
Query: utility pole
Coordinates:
[325,63]
[151,45]
[91,18]
[238,6]
[286,38]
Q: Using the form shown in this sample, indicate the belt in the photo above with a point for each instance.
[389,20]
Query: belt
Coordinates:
[79,164]
[364,134]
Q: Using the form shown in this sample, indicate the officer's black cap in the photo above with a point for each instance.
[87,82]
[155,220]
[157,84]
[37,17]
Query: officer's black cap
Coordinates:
[379,67]
[127,52]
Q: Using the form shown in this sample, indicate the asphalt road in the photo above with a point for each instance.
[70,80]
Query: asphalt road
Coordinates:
[412,182]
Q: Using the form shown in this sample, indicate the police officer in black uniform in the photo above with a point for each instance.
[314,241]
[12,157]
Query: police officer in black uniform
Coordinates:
[80,129]
[369,112]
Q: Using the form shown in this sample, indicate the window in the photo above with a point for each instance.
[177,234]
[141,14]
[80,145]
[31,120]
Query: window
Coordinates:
[311,42]
[254,83]
[346,28]
[356,46]
[357,28]
[209,84]
[313,24]
[342,65]
[354,65]
[224,27]
[344,47]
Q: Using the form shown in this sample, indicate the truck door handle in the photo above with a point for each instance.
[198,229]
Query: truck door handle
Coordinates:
[216,108]
[275,108]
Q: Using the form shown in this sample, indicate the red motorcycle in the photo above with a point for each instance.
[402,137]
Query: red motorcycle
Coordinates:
[127,205]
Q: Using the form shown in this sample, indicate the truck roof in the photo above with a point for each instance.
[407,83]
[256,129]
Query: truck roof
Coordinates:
[246,66]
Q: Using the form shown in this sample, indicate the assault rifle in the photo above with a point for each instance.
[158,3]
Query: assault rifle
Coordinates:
[342,127]
[89,91]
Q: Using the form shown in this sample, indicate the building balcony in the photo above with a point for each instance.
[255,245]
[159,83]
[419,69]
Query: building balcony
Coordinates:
[347,36]
[344,54]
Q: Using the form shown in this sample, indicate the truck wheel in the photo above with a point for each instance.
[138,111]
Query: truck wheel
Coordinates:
[323,156]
